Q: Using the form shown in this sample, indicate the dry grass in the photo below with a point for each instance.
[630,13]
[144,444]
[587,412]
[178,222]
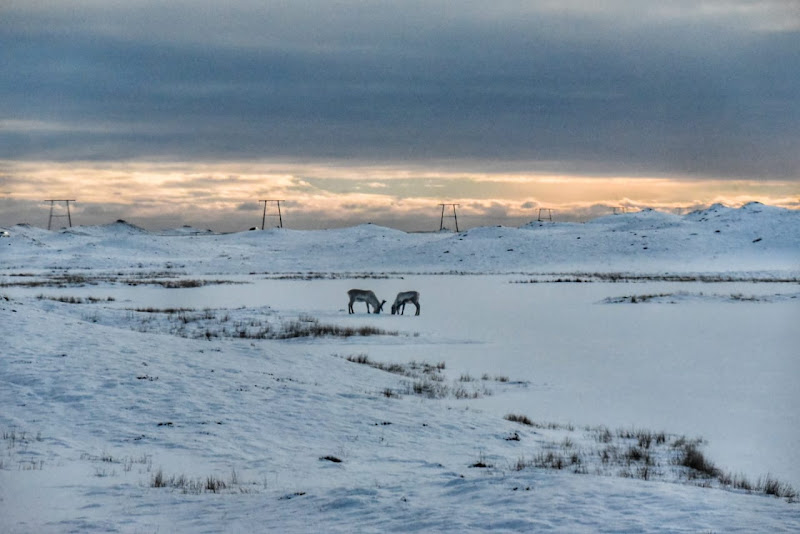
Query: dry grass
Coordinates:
[427,380]
[75,300]
[515,418]
[163,279]
[218,324]
[618,277]
[301,328]
[637,453]
[208,484]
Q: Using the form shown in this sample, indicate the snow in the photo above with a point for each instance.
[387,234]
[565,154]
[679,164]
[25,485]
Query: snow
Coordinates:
[684,325]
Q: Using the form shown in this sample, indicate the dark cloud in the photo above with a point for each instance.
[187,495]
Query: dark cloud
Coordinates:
[249,206]
[633,88]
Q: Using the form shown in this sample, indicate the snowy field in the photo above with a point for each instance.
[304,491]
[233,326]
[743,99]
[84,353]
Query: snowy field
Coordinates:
[558,378]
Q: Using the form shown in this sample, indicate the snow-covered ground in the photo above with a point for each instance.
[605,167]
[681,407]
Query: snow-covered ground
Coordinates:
[128,404]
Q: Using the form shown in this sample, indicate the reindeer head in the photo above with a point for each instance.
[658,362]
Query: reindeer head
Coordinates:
[394,308]
[379,308]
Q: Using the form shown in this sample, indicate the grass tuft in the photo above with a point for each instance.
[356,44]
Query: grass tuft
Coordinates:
[771,486]
[427,379]
[690,456]
[209,484]
[515,418]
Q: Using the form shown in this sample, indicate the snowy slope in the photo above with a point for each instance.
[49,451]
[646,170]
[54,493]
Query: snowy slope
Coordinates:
[98,411]
[102,401]
[751,238]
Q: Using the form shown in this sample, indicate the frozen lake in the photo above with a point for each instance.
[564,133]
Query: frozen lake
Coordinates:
[705,365]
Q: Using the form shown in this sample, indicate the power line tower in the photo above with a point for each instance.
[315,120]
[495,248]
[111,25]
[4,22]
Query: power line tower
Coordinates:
[454,216]
[52,205]
[545,214]
[278,214]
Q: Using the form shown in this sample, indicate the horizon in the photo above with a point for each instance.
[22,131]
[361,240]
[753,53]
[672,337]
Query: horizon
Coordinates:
[228,197]
[547,216]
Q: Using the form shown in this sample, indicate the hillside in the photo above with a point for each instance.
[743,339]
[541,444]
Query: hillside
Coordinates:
[752,238]
[178,381]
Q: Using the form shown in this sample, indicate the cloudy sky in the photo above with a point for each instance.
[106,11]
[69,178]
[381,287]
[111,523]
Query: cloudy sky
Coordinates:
[190,112]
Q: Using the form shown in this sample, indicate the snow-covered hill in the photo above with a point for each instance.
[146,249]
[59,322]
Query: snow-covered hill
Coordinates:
[129,406]
[754,237]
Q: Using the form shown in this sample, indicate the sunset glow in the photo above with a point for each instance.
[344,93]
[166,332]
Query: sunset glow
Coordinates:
[225,196]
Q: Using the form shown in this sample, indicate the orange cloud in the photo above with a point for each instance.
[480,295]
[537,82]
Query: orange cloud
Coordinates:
[320,195]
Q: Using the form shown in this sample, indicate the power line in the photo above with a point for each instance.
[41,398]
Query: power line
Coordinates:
[52,205]
[278,215]
[454,216]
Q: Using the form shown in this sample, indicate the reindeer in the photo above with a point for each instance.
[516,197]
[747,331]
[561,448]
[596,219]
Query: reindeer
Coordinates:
[366,296]
[402,299]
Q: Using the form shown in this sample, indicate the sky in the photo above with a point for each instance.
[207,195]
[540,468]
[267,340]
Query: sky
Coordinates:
[190,112]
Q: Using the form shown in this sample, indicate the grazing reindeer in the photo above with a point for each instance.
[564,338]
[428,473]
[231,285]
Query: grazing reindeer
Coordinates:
[402,299]
[366,296]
